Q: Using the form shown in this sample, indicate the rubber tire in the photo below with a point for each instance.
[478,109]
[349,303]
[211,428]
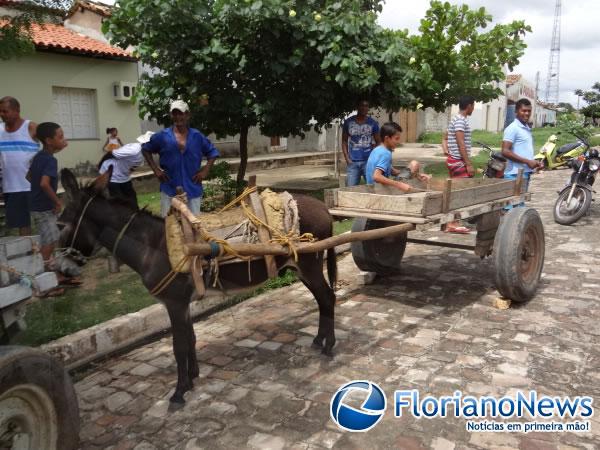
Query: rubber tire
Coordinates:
[24,365]
[375,255]
[508,248]
[569,220]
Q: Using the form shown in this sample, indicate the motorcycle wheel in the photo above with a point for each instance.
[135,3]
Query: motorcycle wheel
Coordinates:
[568,214]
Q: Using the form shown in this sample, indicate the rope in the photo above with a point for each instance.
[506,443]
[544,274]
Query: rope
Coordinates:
[122,233]
[81,219]
[286,240]
[245,193]
[169,277]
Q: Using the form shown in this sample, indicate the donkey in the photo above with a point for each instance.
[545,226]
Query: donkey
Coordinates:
[90,219]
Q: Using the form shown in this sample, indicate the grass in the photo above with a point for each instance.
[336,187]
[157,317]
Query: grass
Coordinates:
[439,169]
[540,136]
[114,295]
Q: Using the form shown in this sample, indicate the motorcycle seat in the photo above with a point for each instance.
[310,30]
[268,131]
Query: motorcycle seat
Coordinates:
[567,148]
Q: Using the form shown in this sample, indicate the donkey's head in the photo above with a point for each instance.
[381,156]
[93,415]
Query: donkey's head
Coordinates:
[77,230]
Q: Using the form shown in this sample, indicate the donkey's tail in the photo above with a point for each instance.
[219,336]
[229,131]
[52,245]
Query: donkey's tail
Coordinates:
[331,267]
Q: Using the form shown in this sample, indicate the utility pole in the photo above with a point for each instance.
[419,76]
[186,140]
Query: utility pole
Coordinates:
[552,82]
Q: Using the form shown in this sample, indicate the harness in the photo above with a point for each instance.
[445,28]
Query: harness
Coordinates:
[119,236]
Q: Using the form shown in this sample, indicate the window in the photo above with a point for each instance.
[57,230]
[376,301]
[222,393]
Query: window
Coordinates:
[75,111]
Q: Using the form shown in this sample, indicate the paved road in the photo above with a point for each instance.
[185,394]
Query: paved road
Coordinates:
[432,328]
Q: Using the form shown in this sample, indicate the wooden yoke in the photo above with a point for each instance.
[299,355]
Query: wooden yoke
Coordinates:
[263,233]
[188,220]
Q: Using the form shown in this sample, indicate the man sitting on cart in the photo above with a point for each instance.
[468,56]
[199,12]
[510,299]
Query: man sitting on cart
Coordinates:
[379,165]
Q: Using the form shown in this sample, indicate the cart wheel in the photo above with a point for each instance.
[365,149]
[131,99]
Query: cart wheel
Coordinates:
[519,254]
[38,405]
[382,256]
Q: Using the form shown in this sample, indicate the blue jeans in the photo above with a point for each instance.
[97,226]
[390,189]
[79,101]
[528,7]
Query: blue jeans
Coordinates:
[194,204]
[355,170]
[513,176]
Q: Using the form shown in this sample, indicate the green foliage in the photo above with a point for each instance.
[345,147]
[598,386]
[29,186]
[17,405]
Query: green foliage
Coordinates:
[15,33]
[219,187]
[461,57]
[592,98]
[574,125]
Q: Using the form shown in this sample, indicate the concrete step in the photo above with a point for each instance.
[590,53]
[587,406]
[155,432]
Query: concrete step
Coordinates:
[319,162]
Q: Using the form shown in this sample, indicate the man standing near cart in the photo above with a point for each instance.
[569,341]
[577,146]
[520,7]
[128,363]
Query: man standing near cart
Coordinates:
[180,150]
[457,141]
[517,145]
[358,135]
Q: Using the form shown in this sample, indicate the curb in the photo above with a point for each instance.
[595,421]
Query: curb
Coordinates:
[85,346]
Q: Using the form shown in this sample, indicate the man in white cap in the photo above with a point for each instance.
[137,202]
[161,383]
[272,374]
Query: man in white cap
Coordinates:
[180,151]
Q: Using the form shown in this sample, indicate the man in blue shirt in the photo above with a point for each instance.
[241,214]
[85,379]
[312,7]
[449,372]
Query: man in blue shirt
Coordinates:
[517,144]
[180,150]
[358,134]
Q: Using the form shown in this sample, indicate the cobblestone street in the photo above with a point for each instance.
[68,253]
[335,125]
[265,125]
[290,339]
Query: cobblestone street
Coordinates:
[432,328]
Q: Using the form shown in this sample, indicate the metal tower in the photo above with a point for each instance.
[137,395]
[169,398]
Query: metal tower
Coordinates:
[554,63]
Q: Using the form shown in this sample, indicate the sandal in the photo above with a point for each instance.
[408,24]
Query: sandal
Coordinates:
[54,292]
[74,281]
[459,230]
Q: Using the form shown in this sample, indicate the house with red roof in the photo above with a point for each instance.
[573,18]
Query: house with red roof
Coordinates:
[77,80]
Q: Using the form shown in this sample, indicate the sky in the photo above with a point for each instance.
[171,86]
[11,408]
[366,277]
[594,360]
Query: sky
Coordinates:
[580,36]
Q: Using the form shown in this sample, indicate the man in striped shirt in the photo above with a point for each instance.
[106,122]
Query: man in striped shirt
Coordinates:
[459,140]
[18,146]
[458,159]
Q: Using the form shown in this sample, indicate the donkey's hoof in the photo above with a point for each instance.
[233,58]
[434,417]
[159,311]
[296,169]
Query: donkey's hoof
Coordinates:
[177,398]
[318,342]
[327,351]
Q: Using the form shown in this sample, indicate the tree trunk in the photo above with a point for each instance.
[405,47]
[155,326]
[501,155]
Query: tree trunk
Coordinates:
[243,158]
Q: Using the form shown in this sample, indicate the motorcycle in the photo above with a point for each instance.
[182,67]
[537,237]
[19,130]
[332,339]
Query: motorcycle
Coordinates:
[496,163]
[574,200]
[552,157]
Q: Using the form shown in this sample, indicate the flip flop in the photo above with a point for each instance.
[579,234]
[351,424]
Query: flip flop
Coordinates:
[459,230]
[54,292]
[70,282]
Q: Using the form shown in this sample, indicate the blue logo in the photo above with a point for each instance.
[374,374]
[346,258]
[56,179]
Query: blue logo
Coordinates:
[370,413]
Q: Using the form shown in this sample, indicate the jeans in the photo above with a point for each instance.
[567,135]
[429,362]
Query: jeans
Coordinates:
[165,204]
[356,169]
[526,179]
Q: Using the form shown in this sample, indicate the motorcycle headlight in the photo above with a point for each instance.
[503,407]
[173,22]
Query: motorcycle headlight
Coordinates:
[594,164]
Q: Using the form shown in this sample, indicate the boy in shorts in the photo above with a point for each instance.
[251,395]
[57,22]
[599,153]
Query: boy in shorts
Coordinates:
[43,175]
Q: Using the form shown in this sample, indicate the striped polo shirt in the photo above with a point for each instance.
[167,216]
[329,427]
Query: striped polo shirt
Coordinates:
[459,123]
[17,149]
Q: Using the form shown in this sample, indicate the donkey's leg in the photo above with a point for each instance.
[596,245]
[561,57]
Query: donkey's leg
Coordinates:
[310,272]
[179,315]
[193,370]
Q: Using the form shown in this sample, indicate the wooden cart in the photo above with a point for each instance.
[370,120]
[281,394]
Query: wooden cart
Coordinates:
[514,240]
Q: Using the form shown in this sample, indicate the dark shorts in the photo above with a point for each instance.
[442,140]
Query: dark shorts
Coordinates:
[125,191]
[16,206]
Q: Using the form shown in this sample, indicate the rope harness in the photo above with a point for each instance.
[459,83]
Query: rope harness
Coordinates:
[221,247]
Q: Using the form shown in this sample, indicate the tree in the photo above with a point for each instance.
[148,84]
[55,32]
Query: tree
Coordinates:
[566,107]
[462,58]
[15,29]
[277,64]
[592,98]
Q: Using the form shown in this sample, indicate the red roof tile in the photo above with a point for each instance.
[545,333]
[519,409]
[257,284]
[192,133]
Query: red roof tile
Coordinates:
[51,36]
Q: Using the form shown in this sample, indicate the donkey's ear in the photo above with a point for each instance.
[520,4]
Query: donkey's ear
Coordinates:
[69,183]
[101,183]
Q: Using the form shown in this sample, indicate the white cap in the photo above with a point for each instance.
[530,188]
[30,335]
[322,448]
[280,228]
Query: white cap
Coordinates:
[179,105]
[145,137]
